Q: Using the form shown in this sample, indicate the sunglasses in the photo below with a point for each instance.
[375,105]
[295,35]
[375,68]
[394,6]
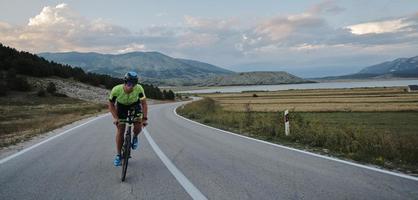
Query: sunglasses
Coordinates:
[130,84]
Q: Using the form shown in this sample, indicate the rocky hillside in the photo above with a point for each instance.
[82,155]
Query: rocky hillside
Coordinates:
[153,67]
[72,89]
[255,78]
[76,89]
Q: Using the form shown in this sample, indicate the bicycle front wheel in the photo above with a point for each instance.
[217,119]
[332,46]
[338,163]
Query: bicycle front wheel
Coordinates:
[125,156]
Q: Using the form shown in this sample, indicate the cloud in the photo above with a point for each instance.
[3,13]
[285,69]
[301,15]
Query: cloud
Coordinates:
[59,28]
[4,26]
[327,6]
[52,15]
[132,47]
[388,26]
[210,24]
[292,39]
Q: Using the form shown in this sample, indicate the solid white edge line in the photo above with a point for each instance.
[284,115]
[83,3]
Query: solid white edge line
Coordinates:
[47,140]
[184,182]
[304,152]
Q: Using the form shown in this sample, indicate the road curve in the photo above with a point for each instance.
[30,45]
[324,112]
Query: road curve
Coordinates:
[78,165]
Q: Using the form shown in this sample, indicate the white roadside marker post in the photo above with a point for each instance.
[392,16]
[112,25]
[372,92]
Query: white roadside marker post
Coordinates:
[286,122]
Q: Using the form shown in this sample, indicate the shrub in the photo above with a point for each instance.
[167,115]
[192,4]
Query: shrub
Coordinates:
[41,93]
[51,88]
[60,95]
[19,84]
[3,88]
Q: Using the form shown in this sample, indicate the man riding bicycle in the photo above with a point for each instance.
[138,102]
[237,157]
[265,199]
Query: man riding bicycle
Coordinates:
[124,97]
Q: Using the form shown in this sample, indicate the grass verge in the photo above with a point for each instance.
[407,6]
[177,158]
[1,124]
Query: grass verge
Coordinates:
[387,139]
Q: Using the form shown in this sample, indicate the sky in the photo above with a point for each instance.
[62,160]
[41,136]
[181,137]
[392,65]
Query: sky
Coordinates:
[305,37]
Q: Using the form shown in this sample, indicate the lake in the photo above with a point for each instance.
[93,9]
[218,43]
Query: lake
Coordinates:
[326,85]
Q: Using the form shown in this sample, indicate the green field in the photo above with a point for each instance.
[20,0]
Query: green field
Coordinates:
[387,138]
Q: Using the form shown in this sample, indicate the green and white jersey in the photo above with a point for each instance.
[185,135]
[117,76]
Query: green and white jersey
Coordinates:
[118,94]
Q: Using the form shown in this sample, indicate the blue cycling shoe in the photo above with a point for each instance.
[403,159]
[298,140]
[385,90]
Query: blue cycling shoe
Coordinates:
[135,143]
[117,161]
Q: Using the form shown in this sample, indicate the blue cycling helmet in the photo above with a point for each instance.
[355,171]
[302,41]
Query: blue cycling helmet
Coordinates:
[131,77]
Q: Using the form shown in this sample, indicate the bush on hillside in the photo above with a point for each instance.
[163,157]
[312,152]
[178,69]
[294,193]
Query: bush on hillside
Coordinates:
[51,88]
[41,92]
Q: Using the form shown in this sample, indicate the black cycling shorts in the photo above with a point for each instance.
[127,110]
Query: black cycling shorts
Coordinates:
[123,111]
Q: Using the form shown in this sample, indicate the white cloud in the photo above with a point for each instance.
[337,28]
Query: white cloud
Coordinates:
[59,28]
[132,47]
[51,15]
[388,26]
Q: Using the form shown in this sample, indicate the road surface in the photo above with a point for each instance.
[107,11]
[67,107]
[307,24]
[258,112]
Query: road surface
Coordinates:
[192,161]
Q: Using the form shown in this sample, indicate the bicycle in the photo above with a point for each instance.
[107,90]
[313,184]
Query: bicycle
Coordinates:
[127,144]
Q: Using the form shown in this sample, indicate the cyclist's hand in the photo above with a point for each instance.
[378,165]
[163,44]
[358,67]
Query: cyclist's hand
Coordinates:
[144,122]
[116,121]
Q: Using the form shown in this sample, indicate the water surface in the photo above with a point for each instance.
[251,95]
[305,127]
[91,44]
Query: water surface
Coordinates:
[326,85]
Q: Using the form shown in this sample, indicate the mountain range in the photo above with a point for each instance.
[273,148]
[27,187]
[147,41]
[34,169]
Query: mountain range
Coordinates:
[157,68]
[398,68]
[153,67]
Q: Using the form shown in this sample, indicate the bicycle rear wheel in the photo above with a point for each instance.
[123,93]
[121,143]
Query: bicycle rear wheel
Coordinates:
[126,148]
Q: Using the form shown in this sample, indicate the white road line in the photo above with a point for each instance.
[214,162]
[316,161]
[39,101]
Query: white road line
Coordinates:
[47,140]
[187,185]
[305,152]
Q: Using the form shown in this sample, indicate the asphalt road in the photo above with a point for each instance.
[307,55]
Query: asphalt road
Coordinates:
[180,159]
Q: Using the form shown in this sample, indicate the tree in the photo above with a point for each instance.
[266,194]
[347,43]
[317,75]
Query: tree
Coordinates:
[51,88]
[3,86]
[165,94]
[41,92]
[21,84]
[170,95]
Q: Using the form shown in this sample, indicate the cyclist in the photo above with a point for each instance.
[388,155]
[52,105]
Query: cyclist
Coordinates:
[123,97]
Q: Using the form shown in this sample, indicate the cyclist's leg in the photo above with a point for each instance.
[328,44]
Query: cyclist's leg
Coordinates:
[138,120]
[119,137]
[120,132]
[137,127]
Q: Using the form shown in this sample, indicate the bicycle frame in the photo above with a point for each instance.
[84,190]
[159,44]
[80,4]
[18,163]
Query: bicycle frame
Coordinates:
[126,147]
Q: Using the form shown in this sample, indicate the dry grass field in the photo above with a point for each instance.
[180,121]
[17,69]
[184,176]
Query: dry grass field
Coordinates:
[23,116]
[325,100]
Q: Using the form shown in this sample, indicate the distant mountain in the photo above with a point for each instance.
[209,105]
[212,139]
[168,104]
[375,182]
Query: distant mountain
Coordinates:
[398,68]
[153,67]
[254,78]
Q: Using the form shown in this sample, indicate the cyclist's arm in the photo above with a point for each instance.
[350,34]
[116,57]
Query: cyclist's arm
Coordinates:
[112,109]
[144,107]
[112,99]
[143,100]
